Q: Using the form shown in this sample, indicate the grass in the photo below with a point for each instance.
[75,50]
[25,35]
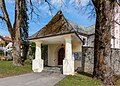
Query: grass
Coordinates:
[82,79]
[79,80]
[8,69]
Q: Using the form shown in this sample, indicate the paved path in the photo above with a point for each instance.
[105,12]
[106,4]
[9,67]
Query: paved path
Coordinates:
[32,79]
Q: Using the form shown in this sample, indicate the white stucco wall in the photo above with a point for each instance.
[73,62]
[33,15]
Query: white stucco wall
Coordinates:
[52,54]
[115,43]
[90,41]
[73,47]
[77,47]
[116,30]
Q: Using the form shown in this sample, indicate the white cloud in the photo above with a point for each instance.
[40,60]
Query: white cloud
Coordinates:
[58,2]
[84,2]
[79,2]
[43,7]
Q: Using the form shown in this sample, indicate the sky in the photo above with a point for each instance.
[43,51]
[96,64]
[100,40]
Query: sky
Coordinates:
[69,9]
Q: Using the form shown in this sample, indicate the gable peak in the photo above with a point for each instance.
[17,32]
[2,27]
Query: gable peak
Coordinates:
[59,12]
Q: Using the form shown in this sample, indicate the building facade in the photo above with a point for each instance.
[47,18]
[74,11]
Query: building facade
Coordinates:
[115,42]
[4,41]
[64,45]
[115,32]
[65,40]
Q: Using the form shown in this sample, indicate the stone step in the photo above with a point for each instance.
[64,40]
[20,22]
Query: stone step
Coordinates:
[53,69]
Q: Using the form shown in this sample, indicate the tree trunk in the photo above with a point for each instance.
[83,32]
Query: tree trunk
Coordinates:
[17,53]
[20,24]
[15,31]
[25,48]
[102,46]
[17,41]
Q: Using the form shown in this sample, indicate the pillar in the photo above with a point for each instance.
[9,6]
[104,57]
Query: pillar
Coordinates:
[37,63]
[68,62]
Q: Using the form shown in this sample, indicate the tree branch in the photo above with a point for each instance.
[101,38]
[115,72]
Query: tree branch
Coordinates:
[17,15]
[50,6]
[6,16]
[31,7]
[118,2]
[1,17]
[116,22]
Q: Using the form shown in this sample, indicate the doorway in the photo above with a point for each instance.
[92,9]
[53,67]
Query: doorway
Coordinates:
[61,56]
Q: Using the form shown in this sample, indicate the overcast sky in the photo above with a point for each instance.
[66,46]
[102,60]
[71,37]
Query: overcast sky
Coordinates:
[69,10]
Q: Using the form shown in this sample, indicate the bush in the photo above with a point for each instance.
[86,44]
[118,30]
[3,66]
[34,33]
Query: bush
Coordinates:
[1,53]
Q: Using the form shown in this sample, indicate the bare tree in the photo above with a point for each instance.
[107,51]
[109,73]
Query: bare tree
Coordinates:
[15,30]
[19,29]
[102,47]
[104,22]
[104,11]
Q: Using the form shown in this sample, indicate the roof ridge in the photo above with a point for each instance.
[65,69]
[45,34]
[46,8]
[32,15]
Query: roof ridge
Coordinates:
[60,24]
[91,26]
[69,23]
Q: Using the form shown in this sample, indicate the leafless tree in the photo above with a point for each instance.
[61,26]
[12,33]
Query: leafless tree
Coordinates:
[16,30]
[20,26]
[104,12]
[102,47]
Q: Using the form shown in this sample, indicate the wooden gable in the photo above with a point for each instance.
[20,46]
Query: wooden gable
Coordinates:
[57,25]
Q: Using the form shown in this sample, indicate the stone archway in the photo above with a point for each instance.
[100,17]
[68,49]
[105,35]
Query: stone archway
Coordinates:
[61,55]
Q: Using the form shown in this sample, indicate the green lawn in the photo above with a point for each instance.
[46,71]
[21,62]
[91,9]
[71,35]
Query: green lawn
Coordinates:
[8,69]
[82,79]
[79,80]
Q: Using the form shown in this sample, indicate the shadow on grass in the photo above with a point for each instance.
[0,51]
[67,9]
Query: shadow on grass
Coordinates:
[86,74]
[91,76]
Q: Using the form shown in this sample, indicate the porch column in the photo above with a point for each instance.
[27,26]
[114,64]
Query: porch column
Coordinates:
[37,64]
[68,62]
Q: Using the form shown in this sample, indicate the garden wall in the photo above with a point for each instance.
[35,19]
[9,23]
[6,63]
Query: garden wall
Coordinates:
[88,59]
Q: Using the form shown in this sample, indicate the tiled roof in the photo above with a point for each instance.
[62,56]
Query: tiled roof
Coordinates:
[60,25]
[5,38]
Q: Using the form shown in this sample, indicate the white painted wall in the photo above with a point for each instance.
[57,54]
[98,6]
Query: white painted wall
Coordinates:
[116,31]
[77,47]
[89,41]
[115,43]
[52,54]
